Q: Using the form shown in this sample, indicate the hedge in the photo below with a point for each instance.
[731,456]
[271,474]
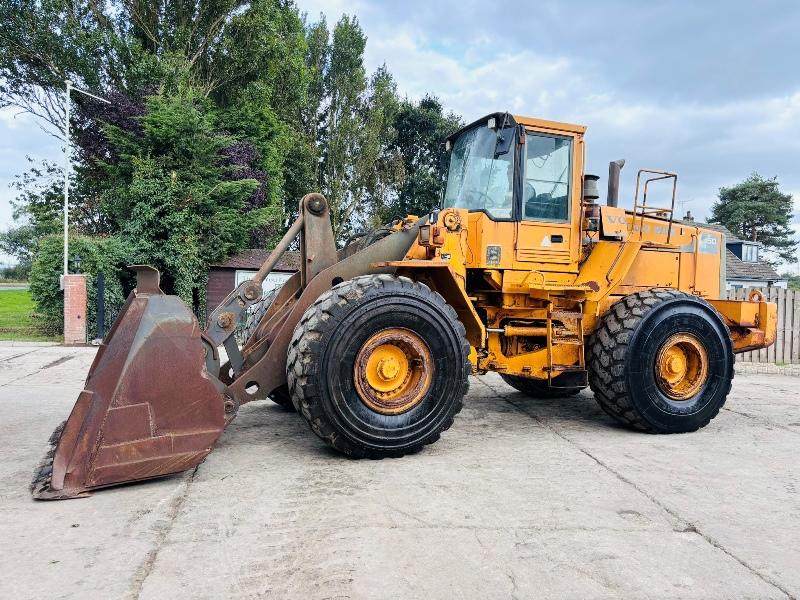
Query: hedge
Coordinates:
[98,254]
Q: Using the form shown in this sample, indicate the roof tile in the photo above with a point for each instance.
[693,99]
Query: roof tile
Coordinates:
[738,269]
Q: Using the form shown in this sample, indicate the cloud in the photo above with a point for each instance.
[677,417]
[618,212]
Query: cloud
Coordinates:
[19,137]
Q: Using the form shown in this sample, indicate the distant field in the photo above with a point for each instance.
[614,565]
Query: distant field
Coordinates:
[16,323]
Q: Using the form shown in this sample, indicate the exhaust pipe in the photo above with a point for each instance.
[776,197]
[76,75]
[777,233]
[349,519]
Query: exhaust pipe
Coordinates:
[614,167]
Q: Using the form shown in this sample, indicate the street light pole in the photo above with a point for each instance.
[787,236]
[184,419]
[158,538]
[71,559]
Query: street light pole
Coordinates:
[67,167]
[66,178]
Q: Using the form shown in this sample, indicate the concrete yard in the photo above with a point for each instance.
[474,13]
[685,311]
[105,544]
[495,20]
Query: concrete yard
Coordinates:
[520,499]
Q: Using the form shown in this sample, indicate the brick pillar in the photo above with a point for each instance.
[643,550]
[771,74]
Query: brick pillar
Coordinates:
[74,309]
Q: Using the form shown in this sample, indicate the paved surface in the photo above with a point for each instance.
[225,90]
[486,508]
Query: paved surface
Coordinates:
[520,499]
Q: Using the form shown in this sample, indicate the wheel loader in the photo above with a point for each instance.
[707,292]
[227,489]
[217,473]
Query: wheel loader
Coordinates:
[520,271]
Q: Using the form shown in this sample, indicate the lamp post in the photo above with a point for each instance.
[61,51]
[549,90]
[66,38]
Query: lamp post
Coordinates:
[67,165]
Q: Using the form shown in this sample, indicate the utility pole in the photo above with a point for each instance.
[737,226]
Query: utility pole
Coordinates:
[67,168]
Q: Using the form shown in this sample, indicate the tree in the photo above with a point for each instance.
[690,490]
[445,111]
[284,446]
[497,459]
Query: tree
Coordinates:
[223,113]
[176,193]
[345,83]
[421,129]
[758,211]
[49,42]
[377,166]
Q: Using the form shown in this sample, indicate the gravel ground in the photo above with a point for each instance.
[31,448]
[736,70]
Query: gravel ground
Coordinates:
[520,499]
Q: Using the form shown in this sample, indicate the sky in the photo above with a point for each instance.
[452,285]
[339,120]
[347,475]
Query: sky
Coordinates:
[710,89]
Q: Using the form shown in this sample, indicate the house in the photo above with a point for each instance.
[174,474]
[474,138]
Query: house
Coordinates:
[225,276]
[744,267]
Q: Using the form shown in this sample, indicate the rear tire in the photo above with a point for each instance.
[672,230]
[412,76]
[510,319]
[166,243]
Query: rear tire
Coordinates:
[255,314]
[538,388]
[326,361]
[637,381]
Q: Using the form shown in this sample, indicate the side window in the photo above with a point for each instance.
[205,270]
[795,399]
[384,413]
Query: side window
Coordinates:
[545,194]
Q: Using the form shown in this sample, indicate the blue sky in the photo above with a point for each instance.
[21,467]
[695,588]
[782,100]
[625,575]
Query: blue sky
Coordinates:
[709,89]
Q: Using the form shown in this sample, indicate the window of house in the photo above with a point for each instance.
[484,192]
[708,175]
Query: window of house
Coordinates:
[749,253]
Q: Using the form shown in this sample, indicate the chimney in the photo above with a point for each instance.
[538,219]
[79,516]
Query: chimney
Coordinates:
[688,216]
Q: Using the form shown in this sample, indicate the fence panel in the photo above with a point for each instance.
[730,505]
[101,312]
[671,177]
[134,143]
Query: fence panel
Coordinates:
[785,311]
[796,328]
[786,349]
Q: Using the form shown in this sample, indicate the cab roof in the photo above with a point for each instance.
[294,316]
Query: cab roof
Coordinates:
[544,124]
[510,119]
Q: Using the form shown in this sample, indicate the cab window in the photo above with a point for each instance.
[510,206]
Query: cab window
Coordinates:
[545,193]
[480,176]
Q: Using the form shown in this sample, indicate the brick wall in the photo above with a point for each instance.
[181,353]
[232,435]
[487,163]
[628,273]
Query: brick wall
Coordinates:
[74,309]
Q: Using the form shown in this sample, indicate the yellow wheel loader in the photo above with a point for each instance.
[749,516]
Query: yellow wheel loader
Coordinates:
[520,271]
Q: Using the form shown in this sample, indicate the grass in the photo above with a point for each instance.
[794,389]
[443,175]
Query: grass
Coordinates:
[16,321]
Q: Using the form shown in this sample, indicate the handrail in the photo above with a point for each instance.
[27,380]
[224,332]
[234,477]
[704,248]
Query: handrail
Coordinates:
[642,209]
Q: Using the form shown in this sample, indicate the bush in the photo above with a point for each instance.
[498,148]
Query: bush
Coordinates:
[98,254]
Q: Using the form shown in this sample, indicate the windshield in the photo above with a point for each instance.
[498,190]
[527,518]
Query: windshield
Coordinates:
[478,179]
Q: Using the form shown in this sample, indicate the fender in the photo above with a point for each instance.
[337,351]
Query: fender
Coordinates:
[439,276]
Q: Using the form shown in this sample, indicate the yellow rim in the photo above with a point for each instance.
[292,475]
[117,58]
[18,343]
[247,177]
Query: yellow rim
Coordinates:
[393,371]
[681,366]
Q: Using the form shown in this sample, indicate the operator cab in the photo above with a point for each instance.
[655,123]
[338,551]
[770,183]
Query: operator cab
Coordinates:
[512,169]
[521,180]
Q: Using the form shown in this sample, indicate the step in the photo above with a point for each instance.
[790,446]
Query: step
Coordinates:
[567,341]
[566,369]
[566,314]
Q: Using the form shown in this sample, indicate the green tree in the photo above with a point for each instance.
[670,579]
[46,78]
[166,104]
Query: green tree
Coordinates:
[345,84]
[50,41]
[421,129]
[361,169]
[38,211]
[757,210]
[178,205]
[377,166]
[223,113]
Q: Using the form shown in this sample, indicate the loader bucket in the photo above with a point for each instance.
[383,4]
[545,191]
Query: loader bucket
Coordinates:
[148,408]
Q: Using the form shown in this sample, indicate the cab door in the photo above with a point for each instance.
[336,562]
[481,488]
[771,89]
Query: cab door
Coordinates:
[547,230]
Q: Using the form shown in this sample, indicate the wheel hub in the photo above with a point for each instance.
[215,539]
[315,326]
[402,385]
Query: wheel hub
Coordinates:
[681,366]
[393,371]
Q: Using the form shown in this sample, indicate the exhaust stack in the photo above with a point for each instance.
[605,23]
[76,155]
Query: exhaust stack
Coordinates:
[614,167]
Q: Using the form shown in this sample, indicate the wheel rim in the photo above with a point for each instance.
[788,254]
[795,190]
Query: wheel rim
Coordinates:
[393,371]
[681,366]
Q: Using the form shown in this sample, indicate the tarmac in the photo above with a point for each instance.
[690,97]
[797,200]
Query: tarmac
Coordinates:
[521,499]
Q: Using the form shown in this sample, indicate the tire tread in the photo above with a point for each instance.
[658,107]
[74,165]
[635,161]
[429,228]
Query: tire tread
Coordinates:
[608,355]
[305,348]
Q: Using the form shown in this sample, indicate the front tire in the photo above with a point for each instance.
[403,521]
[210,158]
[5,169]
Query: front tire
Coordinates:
[378,366]
[661,361]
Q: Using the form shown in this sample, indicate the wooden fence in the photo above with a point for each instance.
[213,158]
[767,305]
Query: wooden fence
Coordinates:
[786,349]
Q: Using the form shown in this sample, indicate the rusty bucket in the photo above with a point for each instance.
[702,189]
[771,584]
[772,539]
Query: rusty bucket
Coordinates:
[149,407]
